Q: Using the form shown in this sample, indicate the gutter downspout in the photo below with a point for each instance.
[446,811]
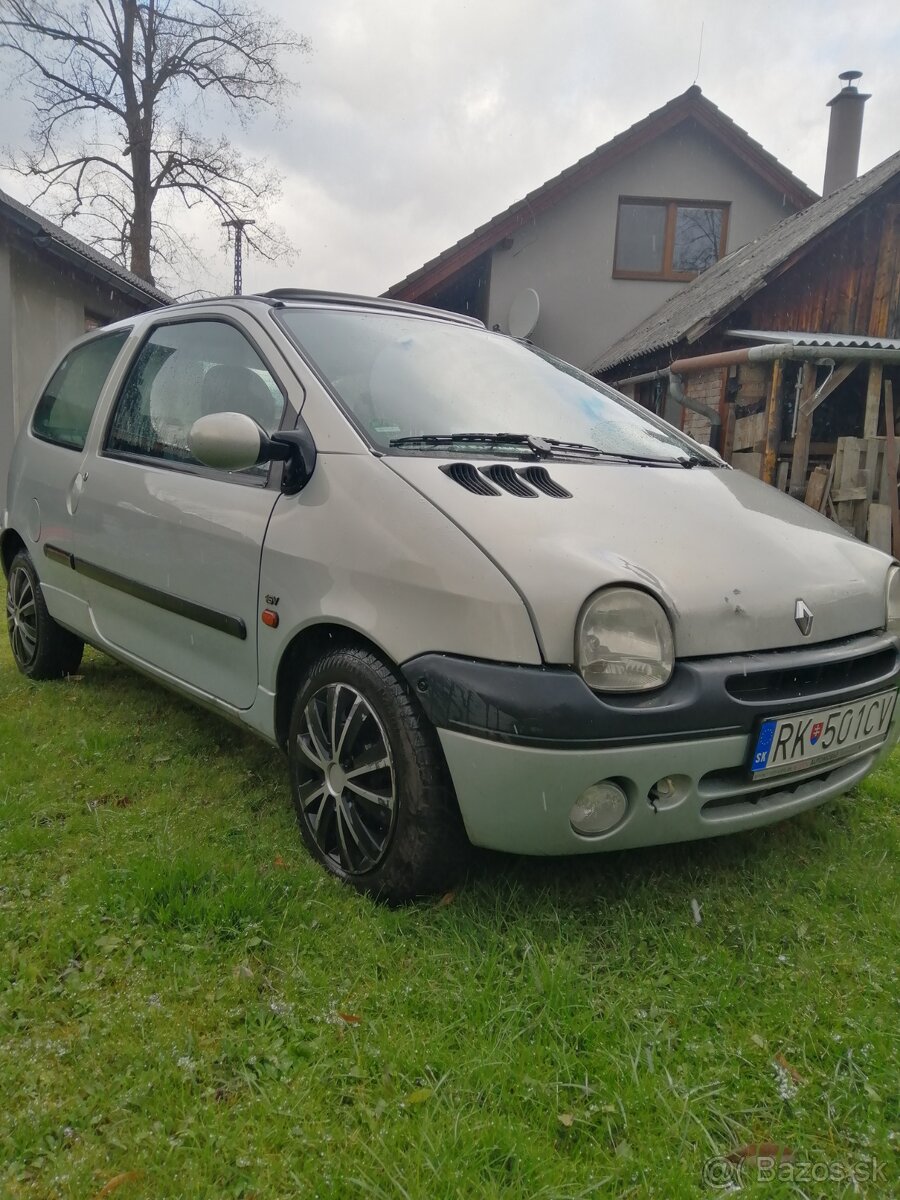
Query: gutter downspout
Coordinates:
[676,391]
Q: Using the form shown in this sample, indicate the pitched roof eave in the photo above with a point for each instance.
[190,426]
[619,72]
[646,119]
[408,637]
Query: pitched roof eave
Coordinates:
[55,240]
[691,104]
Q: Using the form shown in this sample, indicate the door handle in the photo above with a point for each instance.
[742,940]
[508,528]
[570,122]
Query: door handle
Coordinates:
[76,487]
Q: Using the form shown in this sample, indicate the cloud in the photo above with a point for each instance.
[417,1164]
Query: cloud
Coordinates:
[415,121]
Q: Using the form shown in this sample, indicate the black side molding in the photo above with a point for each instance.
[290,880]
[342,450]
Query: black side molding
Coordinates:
[58,556]
[210,617]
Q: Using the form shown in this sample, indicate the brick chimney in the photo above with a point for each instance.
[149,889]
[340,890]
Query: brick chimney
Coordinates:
[844,133]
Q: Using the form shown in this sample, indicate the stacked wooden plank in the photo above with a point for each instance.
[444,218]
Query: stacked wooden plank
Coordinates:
[859,498]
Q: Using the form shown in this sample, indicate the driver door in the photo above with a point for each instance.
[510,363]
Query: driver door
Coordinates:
[169,549]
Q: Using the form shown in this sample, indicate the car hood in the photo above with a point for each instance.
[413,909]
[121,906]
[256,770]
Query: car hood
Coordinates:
[728,555]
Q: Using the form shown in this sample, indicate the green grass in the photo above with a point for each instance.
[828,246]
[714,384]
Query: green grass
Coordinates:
[187,1000]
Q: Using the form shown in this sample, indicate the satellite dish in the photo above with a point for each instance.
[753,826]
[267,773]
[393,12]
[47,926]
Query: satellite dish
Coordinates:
[524,312]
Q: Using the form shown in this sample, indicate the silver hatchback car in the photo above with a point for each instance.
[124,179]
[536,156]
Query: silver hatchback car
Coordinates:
[476,595]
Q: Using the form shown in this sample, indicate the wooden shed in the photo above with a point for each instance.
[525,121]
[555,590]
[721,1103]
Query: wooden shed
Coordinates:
[785,355]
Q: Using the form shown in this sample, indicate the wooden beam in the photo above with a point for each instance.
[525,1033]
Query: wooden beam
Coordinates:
[727,448]
[814,495]
[816,449]
[800,460]
[833,382]
[773,422]
[873,400]
[891,464]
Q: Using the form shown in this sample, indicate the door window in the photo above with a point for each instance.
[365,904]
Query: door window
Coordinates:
[64,412]
[186,371]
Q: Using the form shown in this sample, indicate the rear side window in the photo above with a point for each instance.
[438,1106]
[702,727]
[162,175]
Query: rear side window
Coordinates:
[63,414]
[186,371]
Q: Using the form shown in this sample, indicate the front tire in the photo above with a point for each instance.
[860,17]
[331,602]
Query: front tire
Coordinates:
[41,648]
[370,785]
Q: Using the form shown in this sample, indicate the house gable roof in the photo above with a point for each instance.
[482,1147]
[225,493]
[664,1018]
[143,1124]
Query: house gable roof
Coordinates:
[52,237]
[734,279]
[690,105]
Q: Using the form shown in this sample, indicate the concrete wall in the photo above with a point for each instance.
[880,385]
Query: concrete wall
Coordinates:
[7,388]
[567,254]
[43,307]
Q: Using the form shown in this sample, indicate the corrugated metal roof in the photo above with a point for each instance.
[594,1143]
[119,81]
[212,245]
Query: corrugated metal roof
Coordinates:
[687,105]
[79,252]
[816,339]
[740,274]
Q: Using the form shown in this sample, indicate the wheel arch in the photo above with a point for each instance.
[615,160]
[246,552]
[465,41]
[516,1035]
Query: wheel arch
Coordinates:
[11,543]
[299,654]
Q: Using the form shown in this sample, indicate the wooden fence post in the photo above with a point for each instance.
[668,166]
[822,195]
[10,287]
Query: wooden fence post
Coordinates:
[873,400]
[891,464]
[773,422]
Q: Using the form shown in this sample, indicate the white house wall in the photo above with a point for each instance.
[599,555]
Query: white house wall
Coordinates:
[567,254]
[43,305]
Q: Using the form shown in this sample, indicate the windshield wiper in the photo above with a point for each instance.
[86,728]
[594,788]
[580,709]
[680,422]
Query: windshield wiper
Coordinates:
[698,460]
[543,447]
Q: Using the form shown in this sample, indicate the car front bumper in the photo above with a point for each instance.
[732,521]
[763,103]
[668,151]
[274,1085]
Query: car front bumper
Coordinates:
[523,744]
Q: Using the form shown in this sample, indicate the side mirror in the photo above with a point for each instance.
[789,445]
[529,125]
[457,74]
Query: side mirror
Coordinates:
[227,441]
[231,441]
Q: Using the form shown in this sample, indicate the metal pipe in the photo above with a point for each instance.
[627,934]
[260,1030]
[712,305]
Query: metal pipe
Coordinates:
[647,377]
[779,351]
[782,350]
[774,352]
[708,362]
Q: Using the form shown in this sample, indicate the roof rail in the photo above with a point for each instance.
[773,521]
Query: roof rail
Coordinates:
[279,295]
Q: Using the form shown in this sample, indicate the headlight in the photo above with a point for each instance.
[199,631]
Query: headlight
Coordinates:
[624,641]
[893,601]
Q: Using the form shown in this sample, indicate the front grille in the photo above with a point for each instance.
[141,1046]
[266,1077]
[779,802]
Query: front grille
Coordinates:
[794,683]
[731,792]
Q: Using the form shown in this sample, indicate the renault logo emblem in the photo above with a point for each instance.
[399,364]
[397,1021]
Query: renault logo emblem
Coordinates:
[804,618]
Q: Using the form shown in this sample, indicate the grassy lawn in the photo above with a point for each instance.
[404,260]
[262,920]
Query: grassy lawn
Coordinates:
[190,1008]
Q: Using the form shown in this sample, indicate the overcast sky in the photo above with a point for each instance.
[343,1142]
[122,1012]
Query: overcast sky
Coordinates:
[417,120]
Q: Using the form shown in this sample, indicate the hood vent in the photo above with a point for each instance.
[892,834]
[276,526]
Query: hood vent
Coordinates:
[468,477]
[521,482]
[510,480]
[541,478]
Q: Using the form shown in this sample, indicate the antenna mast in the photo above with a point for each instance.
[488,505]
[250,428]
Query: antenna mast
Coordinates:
[238,224]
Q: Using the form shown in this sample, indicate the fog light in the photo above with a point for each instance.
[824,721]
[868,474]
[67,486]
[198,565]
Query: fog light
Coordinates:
[598,808]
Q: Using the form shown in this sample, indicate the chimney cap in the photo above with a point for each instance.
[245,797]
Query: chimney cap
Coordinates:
[849,91]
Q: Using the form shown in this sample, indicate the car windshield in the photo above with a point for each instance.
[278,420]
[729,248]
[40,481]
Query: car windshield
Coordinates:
[403,377]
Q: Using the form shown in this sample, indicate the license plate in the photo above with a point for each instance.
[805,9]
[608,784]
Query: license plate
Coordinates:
[811,739]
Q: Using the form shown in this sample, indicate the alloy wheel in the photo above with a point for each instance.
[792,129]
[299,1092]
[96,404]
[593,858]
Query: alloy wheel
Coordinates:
[346,783]
[21,617]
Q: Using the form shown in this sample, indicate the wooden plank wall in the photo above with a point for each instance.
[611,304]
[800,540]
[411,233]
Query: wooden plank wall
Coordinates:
[849,284]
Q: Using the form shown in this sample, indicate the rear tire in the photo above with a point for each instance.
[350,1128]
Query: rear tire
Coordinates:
[370,785]
[41,648]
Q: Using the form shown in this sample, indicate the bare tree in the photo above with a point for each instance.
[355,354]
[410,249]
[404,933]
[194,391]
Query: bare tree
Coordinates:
[118,87]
